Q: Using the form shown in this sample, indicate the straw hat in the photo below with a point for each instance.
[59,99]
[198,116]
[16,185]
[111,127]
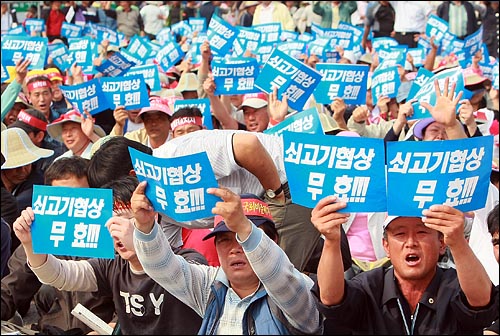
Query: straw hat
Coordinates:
[55,128]
[19,150]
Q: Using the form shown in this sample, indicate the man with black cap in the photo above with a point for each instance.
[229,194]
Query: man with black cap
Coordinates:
[414,295]
[256,290]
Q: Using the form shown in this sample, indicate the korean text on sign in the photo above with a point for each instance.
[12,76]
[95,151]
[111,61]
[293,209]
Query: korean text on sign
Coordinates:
[322,165]
[423,173]
[177,186]
[72,222]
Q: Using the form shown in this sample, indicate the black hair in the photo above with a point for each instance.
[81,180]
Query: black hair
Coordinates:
[186,112]
[123,188]
[66,167]
[112,160]
[492,220]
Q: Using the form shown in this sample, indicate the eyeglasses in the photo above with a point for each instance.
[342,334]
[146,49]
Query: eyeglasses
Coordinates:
[494,241]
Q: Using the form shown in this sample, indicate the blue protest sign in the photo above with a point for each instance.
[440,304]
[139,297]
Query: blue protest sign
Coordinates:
[306,121]
[202,103]
[427,92]
[72,222]
[150,73]
[82,50]
[263,53]
[339,37]
[247,39]
[138,48]
[164,35]
[182,28]
[169,55]
[115,65]
[87,96]
[356,31]
[27,47]
[34,26]
[293,48]
[71,30]
[392,56]
[383,42]
[270,32]
[436,27]
[453,172]
[130,92]
[59,54]
[5,74]
[19,30]
[198,24]
[104,33]
[385,82]
[289,36]
[221,35]
[473,43]
[235,76]
[290,76]
[418,54]
[423,75]
[131,58]
[346,81]
[306,37]
[351,168]
[177,186]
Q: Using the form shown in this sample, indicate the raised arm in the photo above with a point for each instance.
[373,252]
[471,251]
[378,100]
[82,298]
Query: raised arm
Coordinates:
[472,276]
[328,222]
[218,108]
[444,111]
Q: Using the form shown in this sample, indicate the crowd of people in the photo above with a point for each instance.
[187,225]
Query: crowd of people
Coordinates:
[262,264]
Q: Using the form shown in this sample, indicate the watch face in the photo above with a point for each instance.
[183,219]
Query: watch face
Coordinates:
[270,193]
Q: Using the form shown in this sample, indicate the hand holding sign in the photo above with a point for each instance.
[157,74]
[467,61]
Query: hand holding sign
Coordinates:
[144,213]
[278,109]
[22,69]
[326,218]
[22,226]
[232,211]
[447,220]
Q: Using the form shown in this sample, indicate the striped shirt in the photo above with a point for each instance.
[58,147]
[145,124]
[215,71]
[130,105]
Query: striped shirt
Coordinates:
[457,20]
[190,283]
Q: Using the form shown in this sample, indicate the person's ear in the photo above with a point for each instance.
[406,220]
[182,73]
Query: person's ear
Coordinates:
[132,173]
[39,137]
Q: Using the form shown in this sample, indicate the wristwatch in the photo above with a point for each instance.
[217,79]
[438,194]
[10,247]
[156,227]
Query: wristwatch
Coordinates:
[273,193]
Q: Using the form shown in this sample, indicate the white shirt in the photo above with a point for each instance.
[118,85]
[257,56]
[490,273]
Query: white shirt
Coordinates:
[149,14]
[411,16]
[266,14]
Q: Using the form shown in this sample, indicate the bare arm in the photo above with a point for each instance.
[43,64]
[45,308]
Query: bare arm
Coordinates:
[472,276]
[250,154]
[328,222]
[218,108]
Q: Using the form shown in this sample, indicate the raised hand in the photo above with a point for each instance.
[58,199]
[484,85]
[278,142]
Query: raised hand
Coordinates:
[446,104]
[231,210]
[326,219]
[144,213]
[22,225]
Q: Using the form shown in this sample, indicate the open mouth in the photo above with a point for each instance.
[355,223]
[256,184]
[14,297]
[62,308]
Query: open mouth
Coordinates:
[412,259]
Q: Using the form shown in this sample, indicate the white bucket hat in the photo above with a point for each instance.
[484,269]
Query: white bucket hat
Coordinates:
[19,150]
[55,128]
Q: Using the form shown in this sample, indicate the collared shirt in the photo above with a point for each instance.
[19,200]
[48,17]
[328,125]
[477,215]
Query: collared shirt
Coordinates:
[234,310]
[266,14]
[373,304]
[458,19]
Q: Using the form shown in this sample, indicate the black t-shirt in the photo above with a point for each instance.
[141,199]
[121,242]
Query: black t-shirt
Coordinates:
[144,307]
